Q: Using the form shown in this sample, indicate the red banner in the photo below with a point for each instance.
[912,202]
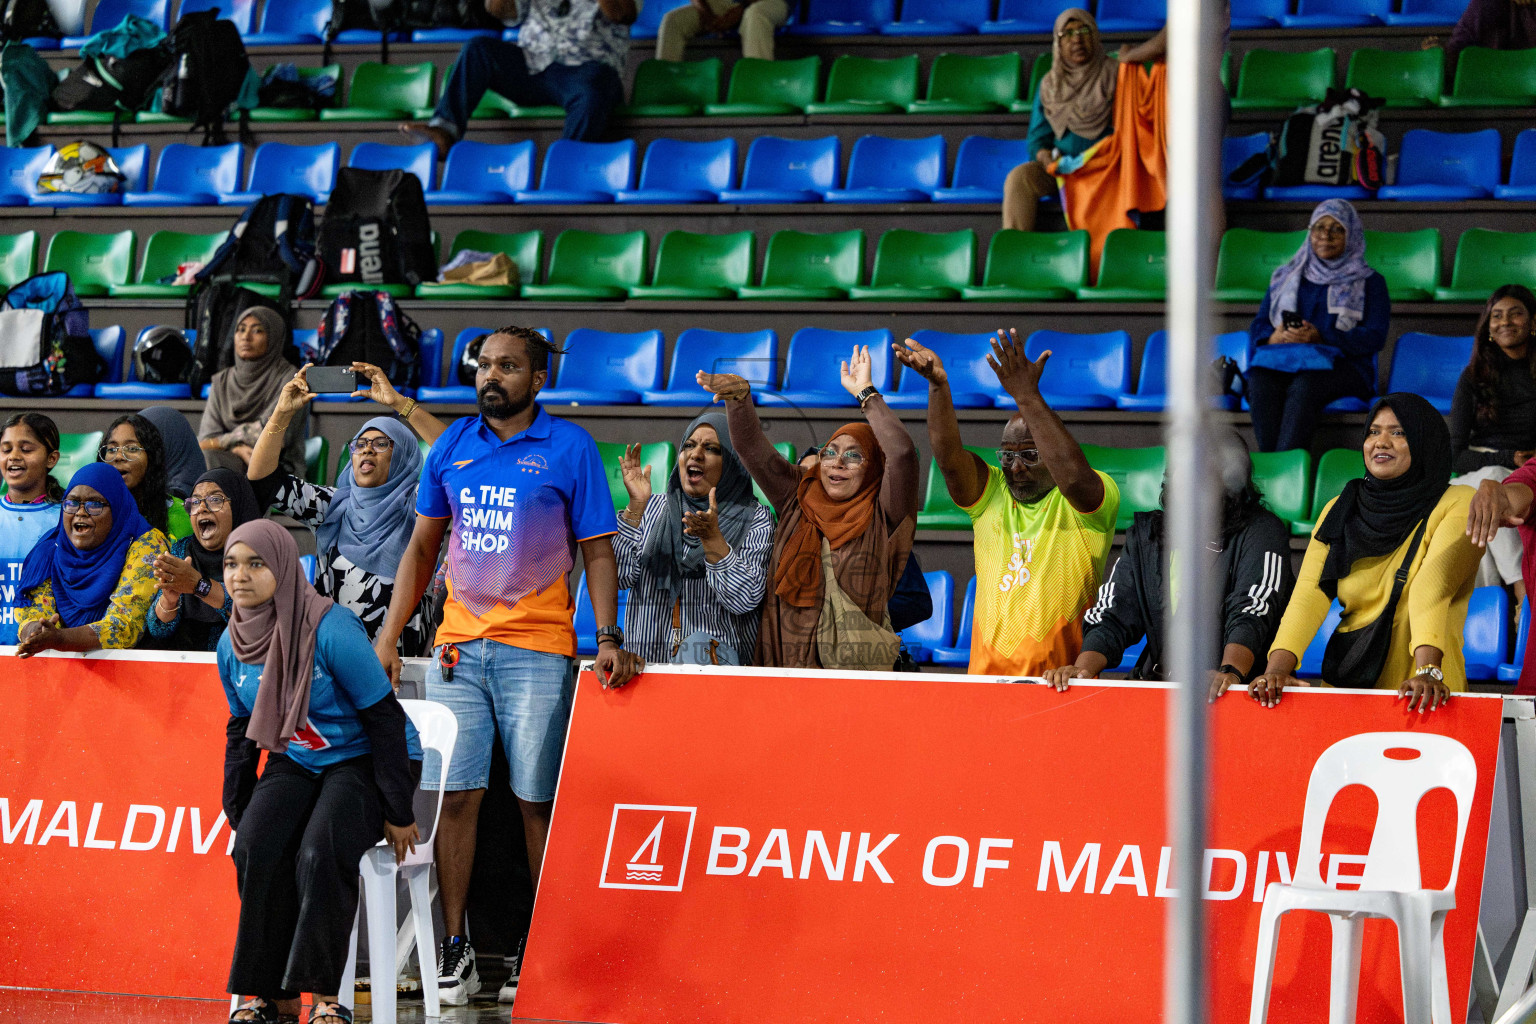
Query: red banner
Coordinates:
[916,848]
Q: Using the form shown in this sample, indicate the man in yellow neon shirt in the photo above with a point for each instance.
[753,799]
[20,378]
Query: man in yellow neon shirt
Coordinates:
[1044,519]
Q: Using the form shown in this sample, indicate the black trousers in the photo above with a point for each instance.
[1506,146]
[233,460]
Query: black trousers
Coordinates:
[1285,406]
[296,862]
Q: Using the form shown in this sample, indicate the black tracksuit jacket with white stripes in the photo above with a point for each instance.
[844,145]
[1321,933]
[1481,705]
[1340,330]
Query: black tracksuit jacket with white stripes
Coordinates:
[1255,566]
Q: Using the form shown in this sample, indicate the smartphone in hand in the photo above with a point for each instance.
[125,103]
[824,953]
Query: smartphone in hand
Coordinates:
[331,380]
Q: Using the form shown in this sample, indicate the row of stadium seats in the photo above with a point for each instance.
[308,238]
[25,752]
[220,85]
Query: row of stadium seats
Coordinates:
[1275,80]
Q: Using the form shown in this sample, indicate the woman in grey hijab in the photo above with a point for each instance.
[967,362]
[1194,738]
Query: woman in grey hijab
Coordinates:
[242,396]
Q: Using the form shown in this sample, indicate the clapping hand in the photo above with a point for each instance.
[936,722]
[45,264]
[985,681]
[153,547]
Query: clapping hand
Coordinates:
[637,478]
[1016,372]
[704,525]
[856,370]
[176,575]
[44,635]
[922,360]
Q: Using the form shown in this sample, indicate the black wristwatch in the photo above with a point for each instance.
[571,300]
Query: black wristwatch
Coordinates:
[204,587]
[615,633]
[1233,670]
[866,394]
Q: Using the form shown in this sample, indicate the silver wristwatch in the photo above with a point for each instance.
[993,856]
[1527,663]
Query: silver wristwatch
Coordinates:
[1433,671]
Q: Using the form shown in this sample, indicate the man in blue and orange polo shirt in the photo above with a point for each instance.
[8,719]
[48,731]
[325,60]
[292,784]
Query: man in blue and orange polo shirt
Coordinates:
[515,490]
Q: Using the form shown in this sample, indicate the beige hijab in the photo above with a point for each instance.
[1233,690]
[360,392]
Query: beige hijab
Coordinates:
[1081,99]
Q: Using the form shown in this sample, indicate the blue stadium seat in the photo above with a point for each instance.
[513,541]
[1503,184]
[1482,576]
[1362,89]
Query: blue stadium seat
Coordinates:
[1337,13]
[110,13]
[1522,170]
[1312,658]
[129,387]
[1238,347]
[1485,637]
[606,368]
[960,653]
[786,171]
[109,345]
[430,352]
[1427,12]
[1351,404]
[812,365]
[1509,671]
[1152,383]
[483,173]
[583,172]
[750,354]
[845,17]
[280,167]
[883,170]
[19,170]
[1235,151]
[192,175]
[981,164]
[420,160]
[241,12]
[133,161]
[1085,371]
[1316,193]
[585,618]
[1429,365]
[937,630]
[1131,656]
[307,563]
[452,35]
[648,23]
[291,22]
[449,390]
[1258,13]
[675,171]
[938,18]
[1018,17]
[972,384]
[1445,166]
[1132,15]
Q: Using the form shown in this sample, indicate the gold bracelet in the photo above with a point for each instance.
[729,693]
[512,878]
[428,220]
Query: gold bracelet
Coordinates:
[409,409]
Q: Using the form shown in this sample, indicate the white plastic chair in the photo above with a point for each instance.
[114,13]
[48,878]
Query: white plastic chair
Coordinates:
[1390,886]
[438,730]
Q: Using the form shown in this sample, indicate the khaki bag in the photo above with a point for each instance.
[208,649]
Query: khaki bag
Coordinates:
[499,269]
[846,638]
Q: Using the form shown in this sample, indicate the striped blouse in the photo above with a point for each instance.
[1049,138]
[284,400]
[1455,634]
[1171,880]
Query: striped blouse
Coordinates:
[726,602]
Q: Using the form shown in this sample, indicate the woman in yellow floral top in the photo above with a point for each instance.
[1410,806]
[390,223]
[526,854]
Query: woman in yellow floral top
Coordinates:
[89,581]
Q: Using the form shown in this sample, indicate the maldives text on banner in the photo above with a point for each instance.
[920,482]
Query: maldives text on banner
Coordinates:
[804,847]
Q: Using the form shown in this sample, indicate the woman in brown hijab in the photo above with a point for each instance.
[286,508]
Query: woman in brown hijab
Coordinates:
[855,512]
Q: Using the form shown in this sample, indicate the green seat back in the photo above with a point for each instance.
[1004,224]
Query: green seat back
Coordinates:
[1037,259]
[968,79]
[525,248]
[1487,259]
[392,86]
[1138,472]
[1495,74]
[690,83]
[807,260]
[1249,257]
[1337,467]
[918,259]
[873,79]
[1135,259]
[1037,71]
[939,511]
[1404,78]
[18,257]
[1409,260]
[689,260]
[786,449]
[589,258]
[1285,480]
[178,524]
[317,451]
[660,456]
[76,451]
[754,80]
[1285,77]
[93,262]
[166,250]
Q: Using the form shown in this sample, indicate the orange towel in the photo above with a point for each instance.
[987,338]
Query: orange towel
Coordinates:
[1127,169]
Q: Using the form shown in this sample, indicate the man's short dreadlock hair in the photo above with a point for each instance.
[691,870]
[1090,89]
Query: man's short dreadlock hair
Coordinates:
[539,347]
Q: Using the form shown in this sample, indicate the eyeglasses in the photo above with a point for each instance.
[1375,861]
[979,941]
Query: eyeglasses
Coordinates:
[852,457]
[1028,456]
[212,503]
[110,451]
[377,444]
[1074,33]
[92,508]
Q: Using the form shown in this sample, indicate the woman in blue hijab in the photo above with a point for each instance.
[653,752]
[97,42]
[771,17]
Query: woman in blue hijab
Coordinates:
[88,582]
[1318,330]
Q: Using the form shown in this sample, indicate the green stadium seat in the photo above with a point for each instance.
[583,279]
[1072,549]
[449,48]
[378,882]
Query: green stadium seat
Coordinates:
[916,266]
[163,253]
[1404,78]
[1032,266]
[76,451]
[784,448]
[1285,480]
[386,92]
[284,114]
[801,266]
[1248,258]
[1138,472]
[1493,78]
[939,511]
[869,85]
[1037,72]
[697,266]
[1487,259]
[525,248]
[178,523]
[317,452]
[585,266]
[668,88]
[1271,80]
[960,84]
[1337,467]
[659,456]
[93,262]
[1133,268]
[1409,260]
[18,257]
[768,88]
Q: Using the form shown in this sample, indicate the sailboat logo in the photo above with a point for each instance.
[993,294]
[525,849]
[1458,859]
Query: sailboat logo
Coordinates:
[660,838]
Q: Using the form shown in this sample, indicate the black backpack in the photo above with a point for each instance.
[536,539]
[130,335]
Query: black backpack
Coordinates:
[27,19]
[207,71]
[364,326]
[388,16]
[376,230]
[120,84]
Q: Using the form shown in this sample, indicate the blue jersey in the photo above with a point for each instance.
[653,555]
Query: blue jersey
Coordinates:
[347,676]
[20,527]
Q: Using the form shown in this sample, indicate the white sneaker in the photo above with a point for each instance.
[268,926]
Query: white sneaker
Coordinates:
[457,978]
[514,964]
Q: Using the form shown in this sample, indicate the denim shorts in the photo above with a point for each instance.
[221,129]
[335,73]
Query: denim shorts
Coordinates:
[523,695]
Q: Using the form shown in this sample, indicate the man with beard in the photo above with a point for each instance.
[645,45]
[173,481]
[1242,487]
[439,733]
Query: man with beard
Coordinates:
[1044,519]
[520,490]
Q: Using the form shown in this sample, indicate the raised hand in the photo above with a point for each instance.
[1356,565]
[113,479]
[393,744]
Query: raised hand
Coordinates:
[922,360]
[294,396]
[637,478]
[1017,373]
[728,386]
[856,370]
[379,388]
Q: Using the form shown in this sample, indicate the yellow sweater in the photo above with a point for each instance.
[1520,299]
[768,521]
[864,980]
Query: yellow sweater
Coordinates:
[123,623]
[1431,612]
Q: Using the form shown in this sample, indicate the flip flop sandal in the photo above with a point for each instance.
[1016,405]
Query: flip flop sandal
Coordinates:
[334,1013]
[264,1009]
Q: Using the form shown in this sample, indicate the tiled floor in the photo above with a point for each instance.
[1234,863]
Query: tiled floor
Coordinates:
[31,1007]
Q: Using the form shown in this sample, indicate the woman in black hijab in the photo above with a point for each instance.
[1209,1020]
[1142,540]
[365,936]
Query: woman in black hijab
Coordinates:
[1402,512]
[192,608]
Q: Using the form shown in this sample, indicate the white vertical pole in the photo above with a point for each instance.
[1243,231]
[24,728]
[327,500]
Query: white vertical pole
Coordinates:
[1194,148]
